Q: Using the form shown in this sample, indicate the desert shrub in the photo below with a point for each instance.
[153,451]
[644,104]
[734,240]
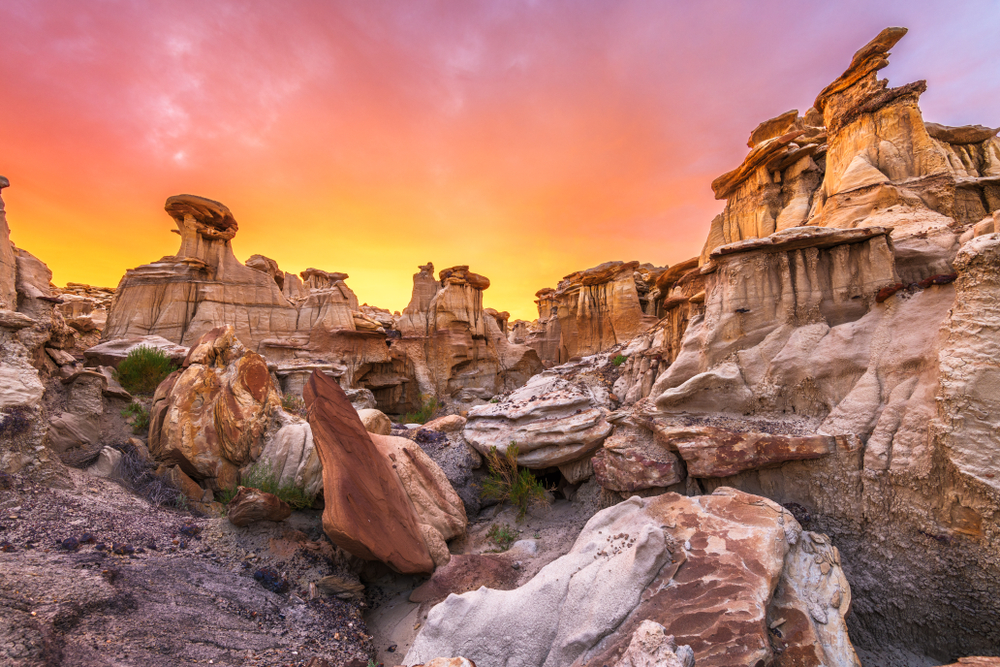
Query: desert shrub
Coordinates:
[505,481]
[294,405]
[619,360]
[137,475]
[142,371]
[427,409]
[503,535]
[138,415]
[261,476]
[15,420]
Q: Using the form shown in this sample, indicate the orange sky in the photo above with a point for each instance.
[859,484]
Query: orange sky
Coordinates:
[526,139]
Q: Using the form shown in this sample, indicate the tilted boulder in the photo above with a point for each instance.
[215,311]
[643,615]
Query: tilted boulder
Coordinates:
[417,509]
[439,511]
[704,568]
[210,416]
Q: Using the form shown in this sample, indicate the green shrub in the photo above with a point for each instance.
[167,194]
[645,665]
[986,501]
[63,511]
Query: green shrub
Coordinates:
[506,482]
[293,404]
[261,476]
[619,360]
[138,415]
[426,411]
[503,535]
[142,371]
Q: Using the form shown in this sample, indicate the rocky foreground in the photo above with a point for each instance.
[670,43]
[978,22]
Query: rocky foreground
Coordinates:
[780,452]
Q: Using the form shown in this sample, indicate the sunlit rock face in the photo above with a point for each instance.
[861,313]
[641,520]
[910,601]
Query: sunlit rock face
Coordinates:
[444,345]
[593,310]
[8,265]
[297,322]
[862,157]
[459,350]
[836,354]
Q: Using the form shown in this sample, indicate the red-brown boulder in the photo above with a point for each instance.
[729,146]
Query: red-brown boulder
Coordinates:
[367,510]
[252,505]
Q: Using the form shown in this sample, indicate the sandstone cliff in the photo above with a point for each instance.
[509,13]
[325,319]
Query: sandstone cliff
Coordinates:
[592,310]
[458,349]
[834,355]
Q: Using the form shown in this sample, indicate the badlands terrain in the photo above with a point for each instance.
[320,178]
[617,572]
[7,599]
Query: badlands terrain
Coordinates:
[781,452]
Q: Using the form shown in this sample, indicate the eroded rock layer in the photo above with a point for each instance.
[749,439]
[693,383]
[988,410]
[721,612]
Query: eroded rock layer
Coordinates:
[835,357]
[705,569]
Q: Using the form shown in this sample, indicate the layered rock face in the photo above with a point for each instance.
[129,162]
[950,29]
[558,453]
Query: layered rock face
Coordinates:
[705,570]
[444,345]
[293,322]
[836,356]
[593,310]
[367,475]
[861,157]
[458,350]
[553,421]
[8,264]
[32,333]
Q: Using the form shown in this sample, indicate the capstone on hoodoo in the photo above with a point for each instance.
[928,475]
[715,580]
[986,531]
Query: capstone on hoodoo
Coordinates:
[444,345]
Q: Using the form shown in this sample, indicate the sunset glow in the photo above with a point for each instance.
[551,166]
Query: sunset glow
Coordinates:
[525,139]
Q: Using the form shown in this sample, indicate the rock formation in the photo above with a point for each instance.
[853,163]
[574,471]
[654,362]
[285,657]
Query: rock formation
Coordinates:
[253,505]
[209,417]
[445,345]
[592,310]
[457,349]
[835,351]
[367,476]
[29,325]
[706,569]
[298,324]
[553,421]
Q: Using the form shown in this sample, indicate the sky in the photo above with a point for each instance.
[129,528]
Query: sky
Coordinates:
[526,139]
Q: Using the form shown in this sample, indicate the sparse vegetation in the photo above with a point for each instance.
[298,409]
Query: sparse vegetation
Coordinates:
[14,420]
[138,416]
[138,475]
[503,535]
[261,476]
[142,371]
[507,482]
[619,360]
[429,406]
[294,405]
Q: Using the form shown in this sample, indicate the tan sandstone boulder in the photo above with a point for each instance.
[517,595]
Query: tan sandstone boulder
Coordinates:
[209,417]
[375,421]
[439,511]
